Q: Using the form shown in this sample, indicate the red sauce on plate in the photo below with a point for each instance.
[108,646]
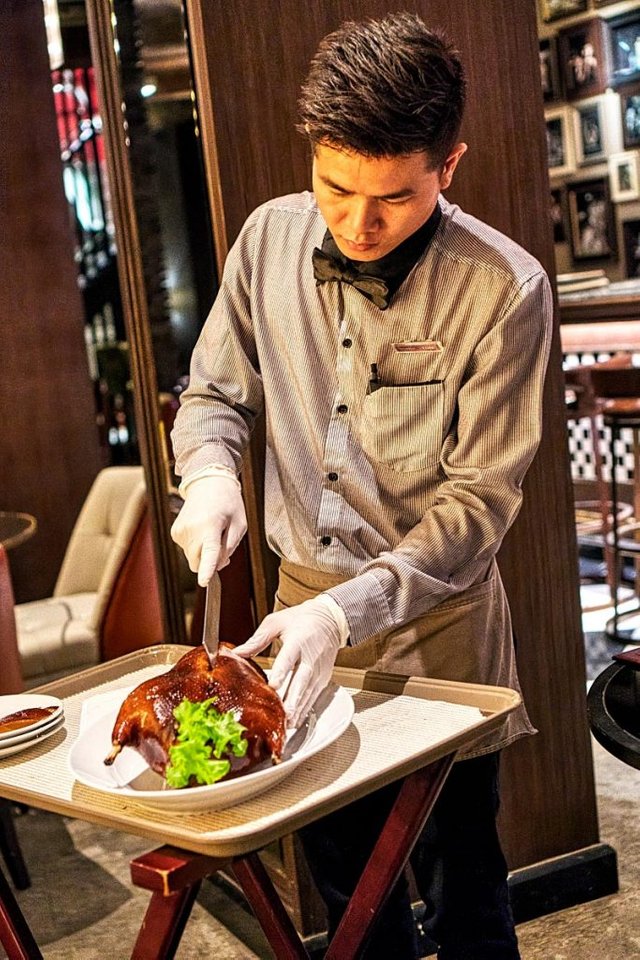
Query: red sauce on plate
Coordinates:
[23,718]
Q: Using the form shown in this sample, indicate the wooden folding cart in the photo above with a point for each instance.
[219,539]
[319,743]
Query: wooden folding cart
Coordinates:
[402,729]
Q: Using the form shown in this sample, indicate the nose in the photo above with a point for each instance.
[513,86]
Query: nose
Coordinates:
[363,218]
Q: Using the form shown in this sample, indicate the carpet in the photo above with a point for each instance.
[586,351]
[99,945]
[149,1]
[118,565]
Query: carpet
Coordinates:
[609,928]
[599,650]
[82,906]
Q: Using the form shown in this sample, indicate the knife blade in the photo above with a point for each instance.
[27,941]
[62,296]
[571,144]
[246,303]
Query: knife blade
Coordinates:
[211,629]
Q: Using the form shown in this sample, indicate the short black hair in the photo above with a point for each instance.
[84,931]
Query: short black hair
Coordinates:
[385,88]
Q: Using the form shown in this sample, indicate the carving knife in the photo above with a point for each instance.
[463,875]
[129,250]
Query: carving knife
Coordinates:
[211,630]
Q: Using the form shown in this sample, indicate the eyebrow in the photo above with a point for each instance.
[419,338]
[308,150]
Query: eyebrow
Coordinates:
[396,195]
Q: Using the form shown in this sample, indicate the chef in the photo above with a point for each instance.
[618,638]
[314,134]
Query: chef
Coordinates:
[397,347]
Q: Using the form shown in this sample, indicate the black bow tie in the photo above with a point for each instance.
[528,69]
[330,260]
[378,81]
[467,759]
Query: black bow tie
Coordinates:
[326,268]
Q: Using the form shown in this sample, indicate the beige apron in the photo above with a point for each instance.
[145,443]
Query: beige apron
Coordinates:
[466,638]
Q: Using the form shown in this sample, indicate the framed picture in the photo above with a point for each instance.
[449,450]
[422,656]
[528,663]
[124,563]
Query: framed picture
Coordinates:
[555,9]
[631,244]
[591,226]
[558,214]
[624,46]
[630,111]
[549,73]
[560,150]
[582,52]
[624,176]
[592,143]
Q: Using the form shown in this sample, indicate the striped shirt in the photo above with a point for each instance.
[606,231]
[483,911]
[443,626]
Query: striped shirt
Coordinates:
[406,486]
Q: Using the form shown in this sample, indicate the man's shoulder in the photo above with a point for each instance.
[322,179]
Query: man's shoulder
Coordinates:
[297,205]
[468,240]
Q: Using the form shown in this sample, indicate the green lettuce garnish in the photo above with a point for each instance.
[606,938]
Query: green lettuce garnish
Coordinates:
[204,739]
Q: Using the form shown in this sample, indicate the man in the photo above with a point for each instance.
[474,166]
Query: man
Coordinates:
[398,349]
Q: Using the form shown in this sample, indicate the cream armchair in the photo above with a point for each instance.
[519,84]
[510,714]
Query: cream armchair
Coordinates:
[63,632]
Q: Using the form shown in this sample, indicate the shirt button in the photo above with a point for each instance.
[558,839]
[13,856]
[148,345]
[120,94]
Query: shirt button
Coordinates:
[332,476]
[325,541]
[342,408]
[347,342]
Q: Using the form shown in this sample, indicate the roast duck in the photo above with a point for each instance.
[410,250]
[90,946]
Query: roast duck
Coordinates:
[146,720]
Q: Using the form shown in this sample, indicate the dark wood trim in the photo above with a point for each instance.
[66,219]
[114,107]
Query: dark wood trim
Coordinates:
[600,310]
[263,564]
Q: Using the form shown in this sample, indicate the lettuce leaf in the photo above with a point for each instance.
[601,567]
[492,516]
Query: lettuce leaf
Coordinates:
[204,740]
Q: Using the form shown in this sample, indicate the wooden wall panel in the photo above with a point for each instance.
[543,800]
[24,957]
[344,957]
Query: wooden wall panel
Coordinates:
[250,58]
[48,437]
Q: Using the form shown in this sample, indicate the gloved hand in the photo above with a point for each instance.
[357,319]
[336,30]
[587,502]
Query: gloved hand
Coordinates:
[310,637]
[210,525]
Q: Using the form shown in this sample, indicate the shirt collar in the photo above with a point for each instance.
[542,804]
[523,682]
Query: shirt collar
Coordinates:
[394,267]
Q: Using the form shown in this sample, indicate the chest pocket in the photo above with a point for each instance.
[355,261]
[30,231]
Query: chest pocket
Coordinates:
[402,426]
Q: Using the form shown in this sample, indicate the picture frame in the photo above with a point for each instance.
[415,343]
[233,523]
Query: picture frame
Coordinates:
[624,48]
[631,249]
[551,10]
[558,209]
[630,115]
[560,148]
[583,58]
[624,176]
[591,130]
[591,222]
[550,80]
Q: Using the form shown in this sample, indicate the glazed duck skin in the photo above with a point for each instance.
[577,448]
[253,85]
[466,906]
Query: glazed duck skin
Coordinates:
[145,720]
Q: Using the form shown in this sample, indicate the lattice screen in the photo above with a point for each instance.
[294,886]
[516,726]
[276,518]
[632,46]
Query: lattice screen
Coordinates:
[580,443]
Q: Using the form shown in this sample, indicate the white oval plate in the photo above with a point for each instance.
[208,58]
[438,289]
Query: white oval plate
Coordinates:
[130,776]
[25,701]
[38,737]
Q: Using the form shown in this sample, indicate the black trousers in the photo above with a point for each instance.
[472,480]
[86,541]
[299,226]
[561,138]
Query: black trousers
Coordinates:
[458,865]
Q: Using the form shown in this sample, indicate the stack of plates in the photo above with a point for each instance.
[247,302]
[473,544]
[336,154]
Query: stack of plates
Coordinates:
[26,719]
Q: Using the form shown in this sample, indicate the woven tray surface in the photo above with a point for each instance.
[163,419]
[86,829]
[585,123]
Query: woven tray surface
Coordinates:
[386,733]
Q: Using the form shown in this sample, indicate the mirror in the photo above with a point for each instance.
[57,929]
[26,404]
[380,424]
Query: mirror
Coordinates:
[161,237]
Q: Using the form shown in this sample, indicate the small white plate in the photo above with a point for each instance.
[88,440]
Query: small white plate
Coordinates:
[130,777]
[13,703]
[38,737]
[22,734]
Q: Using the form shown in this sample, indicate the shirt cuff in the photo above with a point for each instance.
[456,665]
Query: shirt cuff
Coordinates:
[213,470]
[338,614]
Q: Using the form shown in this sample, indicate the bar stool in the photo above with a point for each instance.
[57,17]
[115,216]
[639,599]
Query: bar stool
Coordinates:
[593,517]
[618,390]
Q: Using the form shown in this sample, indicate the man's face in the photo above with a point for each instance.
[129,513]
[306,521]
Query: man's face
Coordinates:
[372,204]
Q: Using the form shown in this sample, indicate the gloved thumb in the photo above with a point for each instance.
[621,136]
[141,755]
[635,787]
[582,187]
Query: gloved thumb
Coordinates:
[283,665]
[208,561]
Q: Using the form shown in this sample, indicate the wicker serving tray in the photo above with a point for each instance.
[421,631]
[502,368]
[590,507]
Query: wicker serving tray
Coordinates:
[399,726]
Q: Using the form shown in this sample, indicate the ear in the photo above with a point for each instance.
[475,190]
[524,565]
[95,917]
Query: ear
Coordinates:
[450,165]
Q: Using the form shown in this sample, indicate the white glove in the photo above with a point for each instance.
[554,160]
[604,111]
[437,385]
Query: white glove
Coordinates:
[311,638]
[211,524]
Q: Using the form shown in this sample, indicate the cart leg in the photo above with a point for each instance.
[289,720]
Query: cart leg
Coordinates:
[404,824]
[15,934]
[174,877]
[268,908]
[10,848]
[164,924]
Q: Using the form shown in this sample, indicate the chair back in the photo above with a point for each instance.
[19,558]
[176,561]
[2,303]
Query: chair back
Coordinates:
[581,400]
[102,535]
[133,614]
[11,675]
[611,383]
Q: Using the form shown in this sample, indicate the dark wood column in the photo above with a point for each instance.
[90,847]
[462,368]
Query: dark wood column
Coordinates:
[49,451]
[248,70]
